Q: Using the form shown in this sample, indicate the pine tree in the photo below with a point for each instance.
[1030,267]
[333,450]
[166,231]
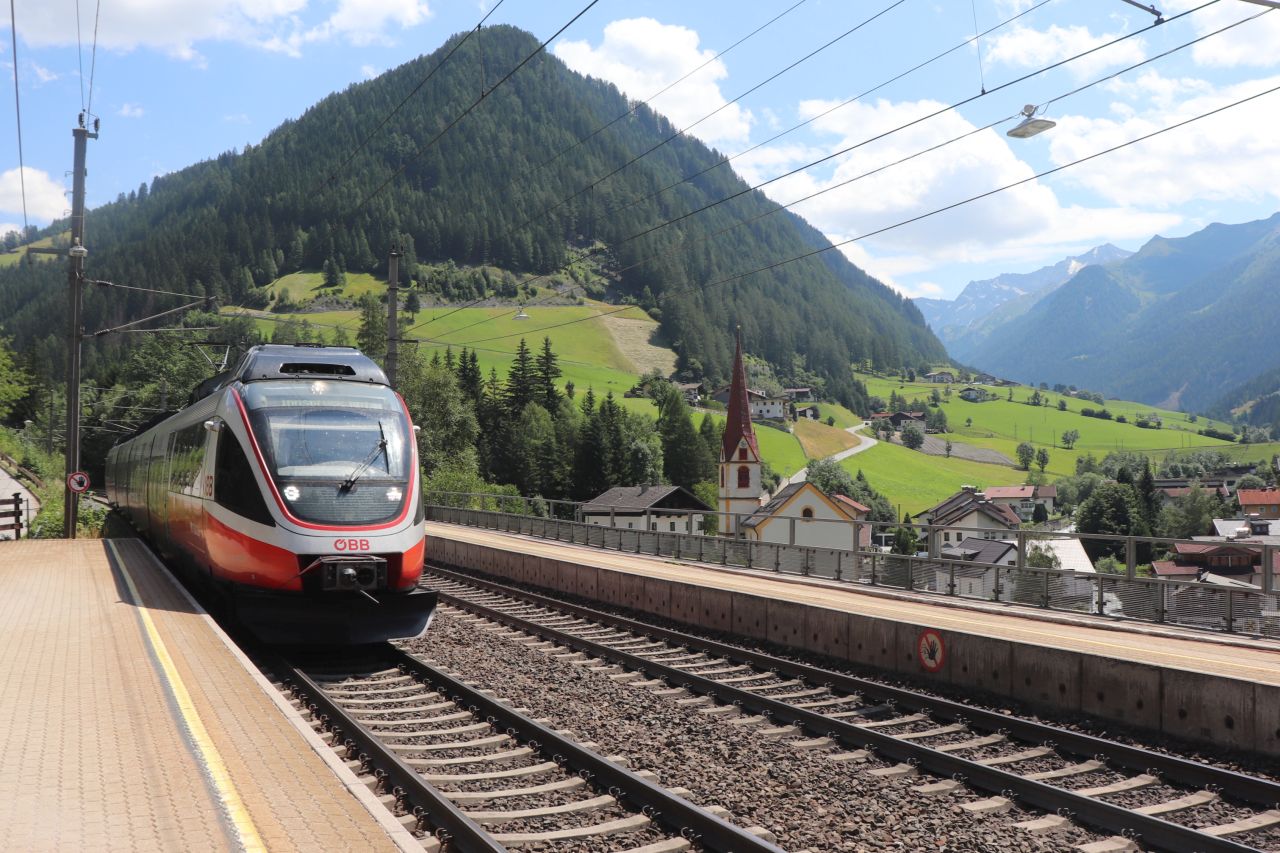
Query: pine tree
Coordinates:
[521,389]
[547,371]
[372,335]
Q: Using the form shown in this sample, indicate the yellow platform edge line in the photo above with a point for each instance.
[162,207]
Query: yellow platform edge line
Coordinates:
[246,830]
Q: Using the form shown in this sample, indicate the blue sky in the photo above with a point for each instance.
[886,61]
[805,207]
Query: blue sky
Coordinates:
[183,80]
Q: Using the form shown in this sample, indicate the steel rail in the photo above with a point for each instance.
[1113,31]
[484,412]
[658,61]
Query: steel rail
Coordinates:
[655,801]
[1098,813]
[425,801]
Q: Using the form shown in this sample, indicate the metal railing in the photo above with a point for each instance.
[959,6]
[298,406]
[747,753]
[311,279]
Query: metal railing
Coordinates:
[931,569]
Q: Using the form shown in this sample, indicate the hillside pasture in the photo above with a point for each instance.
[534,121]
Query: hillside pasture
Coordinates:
[913,481]
[820,441]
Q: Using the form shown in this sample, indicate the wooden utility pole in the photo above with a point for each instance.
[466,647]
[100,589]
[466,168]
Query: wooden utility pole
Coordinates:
[393,316]
[75,278]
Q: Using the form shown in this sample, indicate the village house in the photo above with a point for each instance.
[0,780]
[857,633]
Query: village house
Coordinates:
[985,379]
[665,509]
[969,508]
[761,405]
[1264,503]
[973,395]
[801,514]
[1024,499]
[974,580]
[1211,562]
[798,395]
[940,376]
[900,419]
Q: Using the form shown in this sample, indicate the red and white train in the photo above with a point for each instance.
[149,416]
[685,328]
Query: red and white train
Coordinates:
[290,485]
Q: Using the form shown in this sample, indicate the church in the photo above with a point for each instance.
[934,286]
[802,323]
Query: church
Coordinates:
[799,514]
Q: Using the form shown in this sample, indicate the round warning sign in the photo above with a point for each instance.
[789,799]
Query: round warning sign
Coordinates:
[78,482]
[931,650]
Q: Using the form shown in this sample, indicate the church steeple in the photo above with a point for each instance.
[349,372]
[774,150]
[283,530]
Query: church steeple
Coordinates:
[740,461]
[738,427]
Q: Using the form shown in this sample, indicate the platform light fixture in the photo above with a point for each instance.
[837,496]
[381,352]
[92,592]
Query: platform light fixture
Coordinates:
[1030,125]
[521,314]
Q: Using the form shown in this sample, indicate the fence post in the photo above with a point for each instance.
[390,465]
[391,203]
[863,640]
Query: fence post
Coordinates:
[613,521]
[1231,616]
[1131,558]
[1268,570]
[1045,605]
[951,578]
[1022,550]
[995,592]
[1101,595]
[792,539]
[17,516]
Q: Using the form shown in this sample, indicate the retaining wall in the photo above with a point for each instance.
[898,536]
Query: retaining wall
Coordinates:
[1200,707]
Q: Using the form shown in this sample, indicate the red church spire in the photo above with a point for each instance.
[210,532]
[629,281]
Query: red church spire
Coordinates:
[738,426]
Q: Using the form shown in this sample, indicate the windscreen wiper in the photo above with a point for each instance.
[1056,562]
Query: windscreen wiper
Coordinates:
[380,447]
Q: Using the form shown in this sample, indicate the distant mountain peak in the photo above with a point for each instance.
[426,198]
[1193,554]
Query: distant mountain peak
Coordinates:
[949,318]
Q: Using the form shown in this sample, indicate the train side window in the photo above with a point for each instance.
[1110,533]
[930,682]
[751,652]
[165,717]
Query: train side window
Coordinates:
[234,486]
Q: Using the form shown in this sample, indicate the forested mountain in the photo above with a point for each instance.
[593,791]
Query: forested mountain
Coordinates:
[963,321]
[1173,325]
[491,190]
[1255,403]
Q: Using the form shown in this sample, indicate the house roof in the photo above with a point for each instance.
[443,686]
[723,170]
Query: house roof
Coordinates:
[1166,568]
[784,495]
[851,504]
[977,550]
[1021,492]
[738,426]
[636,499]
[1227,526]
[1010,492]
[964,502]
[1254,497]
[1212,548]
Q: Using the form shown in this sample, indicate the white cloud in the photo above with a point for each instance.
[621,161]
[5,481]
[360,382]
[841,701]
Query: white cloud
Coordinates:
[1024,224]
[6,227]
[43,75]
[1230,156]
[176,27]
[642,56]
[368,72]
[1026,47]
[130,111]
[1253,43]
[236,118]
[45,199]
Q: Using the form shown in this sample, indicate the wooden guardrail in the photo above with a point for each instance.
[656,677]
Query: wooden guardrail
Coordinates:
[14,467]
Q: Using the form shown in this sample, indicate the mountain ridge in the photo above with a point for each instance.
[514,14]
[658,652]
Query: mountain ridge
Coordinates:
[230,224]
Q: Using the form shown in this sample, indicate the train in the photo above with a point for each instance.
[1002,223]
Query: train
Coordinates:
[288,487]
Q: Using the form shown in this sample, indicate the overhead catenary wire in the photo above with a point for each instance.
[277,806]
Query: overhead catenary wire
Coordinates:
[718,109]
[17,107]
[396,109]
[727,160]
[80,54]
[827,158]
[637,104]
[418,151]
[818,116]
[93,56]
[739,276]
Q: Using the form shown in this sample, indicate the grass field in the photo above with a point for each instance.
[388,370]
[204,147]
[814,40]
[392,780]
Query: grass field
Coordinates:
[9,259]
[913,481]
[589,355]
[1001,424]
[820,441]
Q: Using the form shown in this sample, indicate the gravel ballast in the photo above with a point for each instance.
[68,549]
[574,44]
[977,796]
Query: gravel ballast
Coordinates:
[804,798]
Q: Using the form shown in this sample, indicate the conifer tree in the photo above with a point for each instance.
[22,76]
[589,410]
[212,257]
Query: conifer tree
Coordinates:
[372,335]
[520,380]
[547,371]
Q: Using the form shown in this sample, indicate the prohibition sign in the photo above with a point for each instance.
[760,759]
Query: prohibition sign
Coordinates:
[931,650]
[78,482]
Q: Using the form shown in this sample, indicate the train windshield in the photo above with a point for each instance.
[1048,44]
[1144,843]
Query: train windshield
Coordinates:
[338,451]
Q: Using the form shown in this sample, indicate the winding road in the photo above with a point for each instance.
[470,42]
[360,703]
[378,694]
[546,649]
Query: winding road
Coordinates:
[865,442]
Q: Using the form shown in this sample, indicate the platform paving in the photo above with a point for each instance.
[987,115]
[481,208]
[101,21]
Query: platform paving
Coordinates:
[140,728]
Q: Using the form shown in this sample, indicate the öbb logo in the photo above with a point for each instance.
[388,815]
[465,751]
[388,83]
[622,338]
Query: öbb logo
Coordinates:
[351,545]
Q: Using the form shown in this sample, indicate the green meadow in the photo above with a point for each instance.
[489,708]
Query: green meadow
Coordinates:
[914,481]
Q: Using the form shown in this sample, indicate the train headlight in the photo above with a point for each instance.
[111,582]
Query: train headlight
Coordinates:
[394,494]
[292,493]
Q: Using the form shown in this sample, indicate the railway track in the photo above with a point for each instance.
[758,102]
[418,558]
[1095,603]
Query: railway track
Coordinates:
[1142,799]
[467,772]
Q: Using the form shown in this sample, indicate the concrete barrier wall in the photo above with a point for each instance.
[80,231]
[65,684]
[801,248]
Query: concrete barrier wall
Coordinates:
[1206,708]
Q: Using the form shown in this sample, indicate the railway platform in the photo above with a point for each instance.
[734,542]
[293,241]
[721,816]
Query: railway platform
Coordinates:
[131,722]
[1218,690]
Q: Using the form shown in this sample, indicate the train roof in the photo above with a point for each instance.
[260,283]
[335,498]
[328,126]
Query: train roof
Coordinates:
[284,361]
